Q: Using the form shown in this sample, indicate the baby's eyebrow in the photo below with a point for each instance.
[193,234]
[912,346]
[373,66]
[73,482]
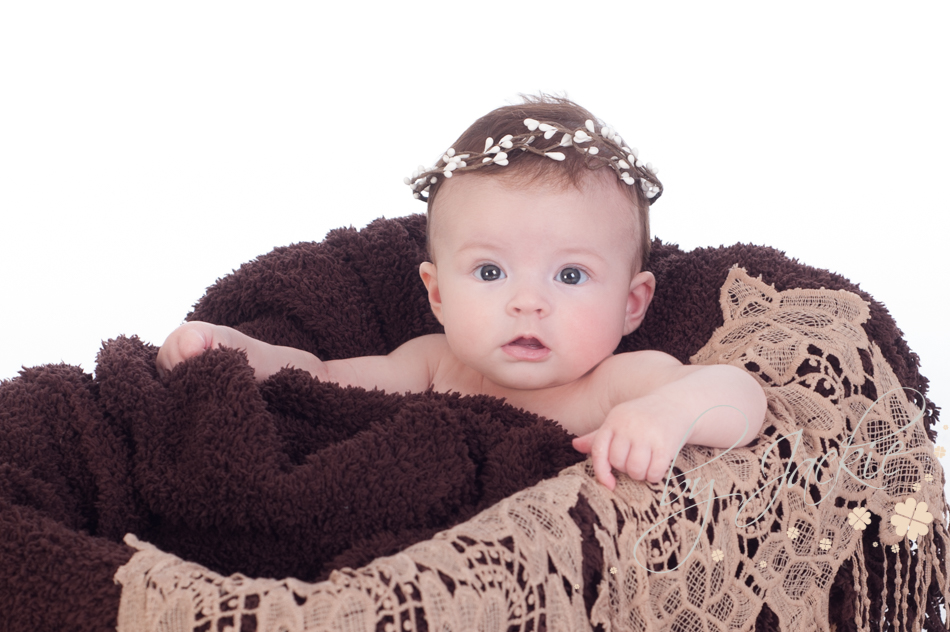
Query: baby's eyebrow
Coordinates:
[582,252]
[475,245]
[562,252]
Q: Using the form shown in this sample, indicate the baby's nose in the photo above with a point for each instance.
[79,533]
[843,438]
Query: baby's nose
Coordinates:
[528,300]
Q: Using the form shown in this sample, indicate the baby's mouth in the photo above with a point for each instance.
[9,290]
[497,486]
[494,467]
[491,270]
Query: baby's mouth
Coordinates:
[527,348]
[529,343]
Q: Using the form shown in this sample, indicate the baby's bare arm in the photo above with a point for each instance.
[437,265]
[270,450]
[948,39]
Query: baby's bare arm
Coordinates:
[711,395]
[194,338]
[408,368]
[657,404]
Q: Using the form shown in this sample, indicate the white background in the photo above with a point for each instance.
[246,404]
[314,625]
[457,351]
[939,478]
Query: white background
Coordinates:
[147,149]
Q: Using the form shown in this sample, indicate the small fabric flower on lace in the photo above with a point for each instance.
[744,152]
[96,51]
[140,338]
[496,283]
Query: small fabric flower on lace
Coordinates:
[929,478]
[762,564]
[717,555]
[859,518]
[792,533]
[915,487]
[911,518]
[824,544]
[894,548]
[606,145]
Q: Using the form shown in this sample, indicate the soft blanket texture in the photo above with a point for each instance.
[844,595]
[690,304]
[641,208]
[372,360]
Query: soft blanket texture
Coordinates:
[295,478]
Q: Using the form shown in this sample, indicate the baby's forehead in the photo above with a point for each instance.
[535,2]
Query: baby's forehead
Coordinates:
[598,200]
[549,182]
[594,183]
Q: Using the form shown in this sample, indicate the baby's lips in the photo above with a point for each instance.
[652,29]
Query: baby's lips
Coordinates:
[528,341]
[527,349]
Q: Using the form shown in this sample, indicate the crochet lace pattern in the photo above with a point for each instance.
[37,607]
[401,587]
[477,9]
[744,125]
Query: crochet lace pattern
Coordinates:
[790,511]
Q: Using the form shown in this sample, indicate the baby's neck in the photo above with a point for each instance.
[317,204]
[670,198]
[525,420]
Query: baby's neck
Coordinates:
[578,406]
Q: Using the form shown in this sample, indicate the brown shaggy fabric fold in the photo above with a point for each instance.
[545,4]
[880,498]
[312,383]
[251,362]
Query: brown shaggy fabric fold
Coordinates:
[293,477]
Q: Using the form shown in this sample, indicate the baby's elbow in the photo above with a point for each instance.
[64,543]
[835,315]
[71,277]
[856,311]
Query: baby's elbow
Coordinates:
[748,398]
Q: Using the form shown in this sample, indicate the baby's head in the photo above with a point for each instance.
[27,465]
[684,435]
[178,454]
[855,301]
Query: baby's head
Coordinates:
[575,164]
[536,254]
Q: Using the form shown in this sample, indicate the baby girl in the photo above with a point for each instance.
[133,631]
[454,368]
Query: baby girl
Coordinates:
[538,233]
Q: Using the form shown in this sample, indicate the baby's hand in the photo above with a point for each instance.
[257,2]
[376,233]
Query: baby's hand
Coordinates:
[635,440]
[190,340]
[196,337]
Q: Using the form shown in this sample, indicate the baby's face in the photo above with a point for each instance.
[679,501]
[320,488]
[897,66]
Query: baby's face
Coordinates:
[534,284]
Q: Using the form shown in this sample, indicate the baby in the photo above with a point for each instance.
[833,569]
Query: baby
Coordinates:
[537,243]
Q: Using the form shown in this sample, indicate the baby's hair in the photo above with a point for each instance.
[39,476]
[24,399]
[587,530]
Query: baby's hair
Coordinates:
[526,167]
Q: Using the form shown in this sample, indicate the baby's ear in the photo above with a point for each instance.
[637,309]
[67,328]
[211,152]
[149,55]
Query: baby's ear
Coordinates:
[642,288]
[430,279]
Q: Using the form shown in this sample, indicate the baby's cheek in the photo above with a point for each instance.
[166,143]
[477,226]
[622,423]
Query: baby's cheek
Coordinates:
[468,312]
[601,336]
[462,335]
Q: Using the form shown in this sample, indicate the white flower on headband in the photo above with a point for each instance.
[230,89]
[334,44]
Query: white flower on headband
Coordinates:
[623,160]
[549,130]
[580,136]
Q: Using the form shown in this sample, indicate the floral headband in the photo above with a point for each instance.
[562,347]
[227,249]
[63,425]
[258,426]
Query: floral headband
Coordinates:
[622,159]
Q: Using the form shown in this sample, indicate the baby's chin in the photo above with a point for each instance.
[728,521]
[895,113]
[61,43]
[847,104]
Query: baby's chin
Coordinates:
[529,379]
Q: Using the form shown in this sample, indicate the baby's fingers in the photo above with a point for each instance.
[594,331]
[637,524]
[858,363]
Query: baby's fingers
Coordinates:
[608,451]
[638,462]
[185,342]
[646,464]
[598,455]
[583,444]
[599,445]
[660,466]
[194,341]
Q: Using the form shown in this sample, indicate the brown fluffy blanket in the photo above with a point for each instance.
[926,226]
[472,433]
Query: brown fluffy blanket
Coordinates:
[293,477]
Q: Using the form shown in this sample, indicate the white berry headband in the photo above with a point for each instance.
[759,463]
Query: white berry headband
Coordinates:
[607,146]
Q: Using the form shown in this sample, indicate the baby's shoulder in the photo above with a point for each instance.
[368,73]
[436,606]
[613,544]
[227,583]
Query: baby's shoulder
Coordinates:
[635,373]
[647,360]
[431,348]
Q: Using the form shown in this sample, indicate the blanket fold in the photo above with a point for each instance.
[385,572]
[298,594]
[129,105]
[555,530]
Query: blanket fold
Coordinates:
[292,477]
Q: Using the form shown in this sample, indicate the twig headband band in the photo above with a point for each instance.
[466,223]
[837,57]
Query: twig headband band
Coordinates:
[607,146]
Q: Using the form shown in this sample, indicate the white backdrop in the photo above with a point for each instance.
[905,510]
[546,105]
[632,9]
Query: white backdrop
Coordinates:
[147,149]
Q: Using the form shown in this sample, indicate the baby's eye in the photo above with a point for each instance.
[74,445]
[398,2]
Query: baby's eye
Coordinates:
[489,272]
[572,276]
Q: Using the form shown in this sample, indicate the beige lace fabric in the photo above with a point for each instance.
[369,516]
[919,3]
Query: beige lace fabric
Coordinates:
[567,554]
